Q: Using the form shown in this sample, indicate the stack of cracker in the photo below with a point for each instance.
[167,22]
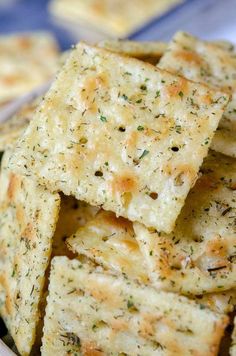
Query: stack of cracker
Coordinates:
[117,225]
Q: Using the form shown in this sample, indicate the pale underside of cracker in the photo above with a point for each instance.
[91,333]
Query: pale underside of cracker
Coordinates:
[110,242]
[198,257]
[208,63]
[11,129]
[27,60]
[28,215]
[222,302]
[92,312]
[118,132]
[147,51]
[224,141]
[114,17]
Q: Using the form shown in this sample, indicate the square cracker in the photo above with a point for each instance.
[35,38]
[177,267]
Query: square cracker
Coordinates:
[27,60]
[111,243]
[149,51]
[73,214]
[116,18]
[92,312]
[28,216]
[121,133]
[224,141]
[11,129]
[208,63]
[198,257]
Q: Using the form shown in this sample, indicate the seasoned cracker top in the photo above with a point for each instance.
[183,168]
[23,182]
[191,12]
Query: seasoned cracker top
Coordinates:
[120,133]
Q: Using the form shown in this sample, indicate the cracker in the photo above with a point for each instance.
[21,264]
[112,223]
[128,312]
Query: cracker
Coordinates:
[92,312]
[117,132]
[149,51]
[224,141]
[27,222]
[12,129]
[114,17]
[110,242]
[207,63]
[219,302]
[198,257]
[27,60]
[73,215]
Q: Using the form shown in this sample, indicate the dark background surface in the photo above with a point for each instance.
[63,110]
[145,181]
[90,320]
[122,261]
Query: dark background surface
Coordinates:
[27,15]
[208,19]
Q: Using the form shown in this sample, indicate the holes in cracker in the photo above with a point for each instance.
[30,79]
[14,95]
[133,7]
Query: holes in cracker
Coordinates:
[98,173]
[175,149]
[122,129]
[153,195]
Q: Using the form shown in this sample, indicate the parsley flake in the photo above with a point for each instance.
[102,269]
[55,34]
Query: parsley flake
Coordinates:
[145,153]
[140,128]
[130,304]
[103,118]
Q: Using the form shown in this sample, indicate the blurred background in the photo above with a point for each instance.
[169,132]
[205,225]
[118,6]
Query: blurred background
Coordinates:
[136,19]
